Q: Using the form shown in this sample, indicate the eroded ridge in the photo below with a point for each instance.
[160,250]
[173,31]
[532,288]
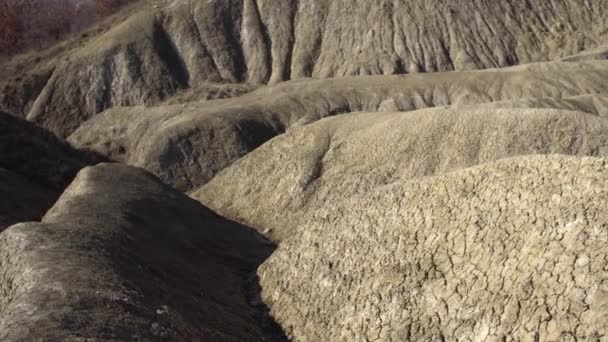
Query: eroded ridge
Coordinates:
[187,145]
[121,256]
[165,47]
[315,166]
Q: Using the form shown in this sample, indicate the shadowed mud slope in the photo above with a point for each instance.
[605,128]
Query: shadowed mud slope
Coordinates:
[514,249]
[163,47]
[22,200]
[35,167]
[186,145]
[121,256]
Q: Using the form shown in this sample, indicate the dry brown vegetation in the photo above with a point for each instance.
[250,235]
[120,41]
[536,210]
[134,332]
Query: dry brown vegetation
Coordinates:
[35,24]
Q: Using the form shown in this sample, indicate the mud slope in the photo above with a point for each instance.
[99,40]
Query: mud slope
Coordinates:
[186,145]
[123,257]
[514,249]
[22,200]
[160,50]
[312,168]
[35,167]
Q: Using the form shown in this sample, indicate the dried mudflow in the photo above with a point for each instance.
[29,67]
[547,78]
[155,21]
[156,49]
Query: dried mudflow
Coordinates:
[304,170]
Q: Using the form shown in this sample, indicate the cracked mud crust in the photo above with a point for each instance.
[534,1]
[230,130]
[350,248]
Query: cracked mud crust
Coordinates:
[313,167]
[512,250]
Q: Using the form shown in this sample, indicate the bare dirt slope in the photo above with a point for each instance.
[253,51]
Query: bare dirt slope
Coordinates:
[121,256]
[430,170]
[186,145]
[510,250]
[35,167]
[311,168]
[164,47]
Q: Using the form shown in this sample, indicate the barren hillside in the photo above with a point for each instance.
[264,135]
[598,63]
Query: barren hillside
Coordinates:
[305,170]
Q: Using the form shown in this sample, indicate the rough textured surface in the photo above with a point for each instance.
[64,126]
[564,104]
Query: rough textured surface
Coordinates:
[186,145]
[314,167]
[162,49]
[592,104]
[511,250]
[121,256]
[599,52]
[17,95]
[35,166]
[310,121]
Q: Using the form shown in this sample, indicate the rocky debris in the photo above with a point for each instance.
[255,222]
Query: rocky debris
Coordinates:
[186,145]
[121,256]
[514,249]
[160,50]
[313,167]
[35,167]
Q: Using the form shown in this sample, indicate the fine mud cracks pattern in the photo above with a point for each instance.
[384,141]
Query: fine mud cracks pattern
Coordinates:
[510,250]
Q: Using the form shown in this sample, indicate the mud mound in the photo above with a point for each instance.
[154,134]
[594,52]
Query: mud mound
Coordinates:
[186,145]
[123,257]
[313,167]
[514,249]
